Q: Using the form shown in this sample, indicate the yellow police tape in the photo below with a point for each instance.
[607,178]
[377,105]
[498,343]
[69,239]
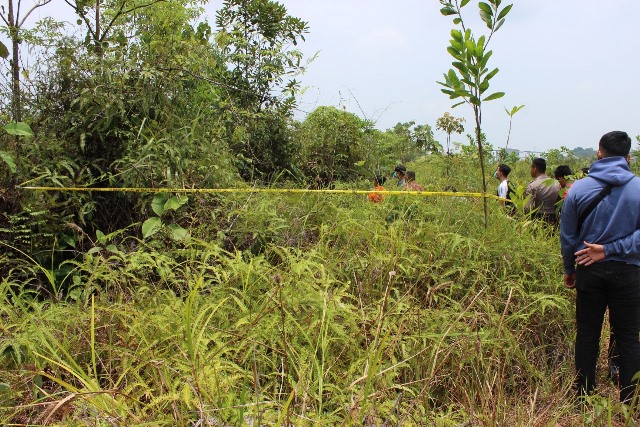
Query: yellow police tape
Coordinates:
[265,190]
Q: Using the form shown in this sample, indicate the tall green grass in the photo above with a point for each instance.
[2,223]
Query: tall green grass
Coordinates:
[302,310]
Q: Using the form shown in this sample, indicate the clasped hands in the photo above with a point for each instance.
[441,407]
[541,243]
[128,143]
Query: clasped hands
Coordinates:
[587,256]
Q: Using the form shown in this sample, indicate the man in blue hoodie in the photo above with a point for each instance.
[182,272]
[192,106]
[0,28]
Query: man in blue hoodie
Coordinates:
[614,281]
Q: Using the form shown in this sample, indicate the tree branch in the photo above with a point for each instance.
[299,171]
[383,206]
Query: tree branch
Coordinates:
[121,12]
[35,6]
[81,14]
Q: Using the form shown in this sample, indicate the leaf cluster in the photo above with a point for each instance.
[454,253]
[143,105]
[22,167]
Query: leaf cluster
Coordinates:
[470,78]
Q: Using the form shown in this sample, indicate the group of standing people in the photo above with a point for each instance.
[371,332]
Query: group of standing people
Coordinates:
[544,193]
[406,180]
[600,244]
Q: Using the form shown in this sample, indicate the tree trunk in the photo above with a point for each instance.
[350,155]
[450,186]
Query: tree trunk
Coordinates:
[16,101]
[97,42]
[481,155]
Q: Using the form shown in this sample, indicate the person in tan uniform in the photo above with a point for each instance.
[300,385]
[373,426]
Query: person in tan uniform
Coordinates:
[544,193]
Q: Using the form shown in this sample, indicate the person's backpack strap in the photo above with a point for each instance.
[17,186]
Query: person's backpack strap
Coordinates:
[601,195]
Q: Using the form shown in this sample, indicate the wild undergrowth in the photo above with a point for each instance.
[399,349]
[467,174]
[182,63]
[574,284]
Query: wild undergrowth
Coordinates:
[288,309]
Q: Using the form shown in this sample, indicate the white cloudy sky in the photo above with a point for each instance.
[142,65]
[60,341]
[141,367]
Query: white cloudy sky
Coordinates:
[574,64]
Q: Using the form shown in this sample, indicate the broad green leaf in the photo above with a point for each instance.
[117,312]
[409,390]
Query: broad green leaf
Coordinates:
[456,21]
[18,129]
[446,11]
[178,233]
[4,52]
[94,250]
[459,103]
[455,53]
[499,25]
[8,160]
[461,67]
[457,45]
[471,47]
[490,75]
[151,226]
[158,202]
[463,3]
[453,77]
[494,96]
[484,7]
[486,18]
[481,41]
[360,163]
[485,59]
[69,240]
[100,237]
[468,82]
[514,110]
[504,11]
[175,202]
[112,248]
[456,35]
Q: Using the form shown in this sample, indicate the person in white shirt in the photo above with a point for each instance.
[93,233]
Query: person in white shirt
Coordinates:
[502,172]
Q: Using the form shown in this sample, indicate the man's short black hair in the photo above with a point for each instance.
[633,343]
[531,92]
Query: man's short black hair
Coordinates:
[504,169]
[562,171]
[401,168]
[616,143]
[540,164]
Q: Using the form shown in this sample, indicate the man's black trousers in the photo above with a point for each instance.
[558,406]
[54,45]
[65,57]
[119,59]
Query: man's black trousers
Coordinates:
[615,285]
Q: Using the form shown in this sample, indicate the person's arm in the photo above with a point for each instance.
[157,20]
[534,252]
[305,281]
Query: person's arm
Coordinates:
[569,234]
[629,245]
[530,191]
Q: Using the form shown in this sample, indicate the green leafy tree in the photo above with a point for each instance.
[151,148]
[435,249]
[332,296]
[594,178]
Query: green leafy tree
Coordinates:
[257,41]
[135,117]
[563,155]
[470,150]
[450,124]
[470,78]
[101,17]
[331,141]
[379,152]
[412,140]
[405,148]
[425,141]
[14,19]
